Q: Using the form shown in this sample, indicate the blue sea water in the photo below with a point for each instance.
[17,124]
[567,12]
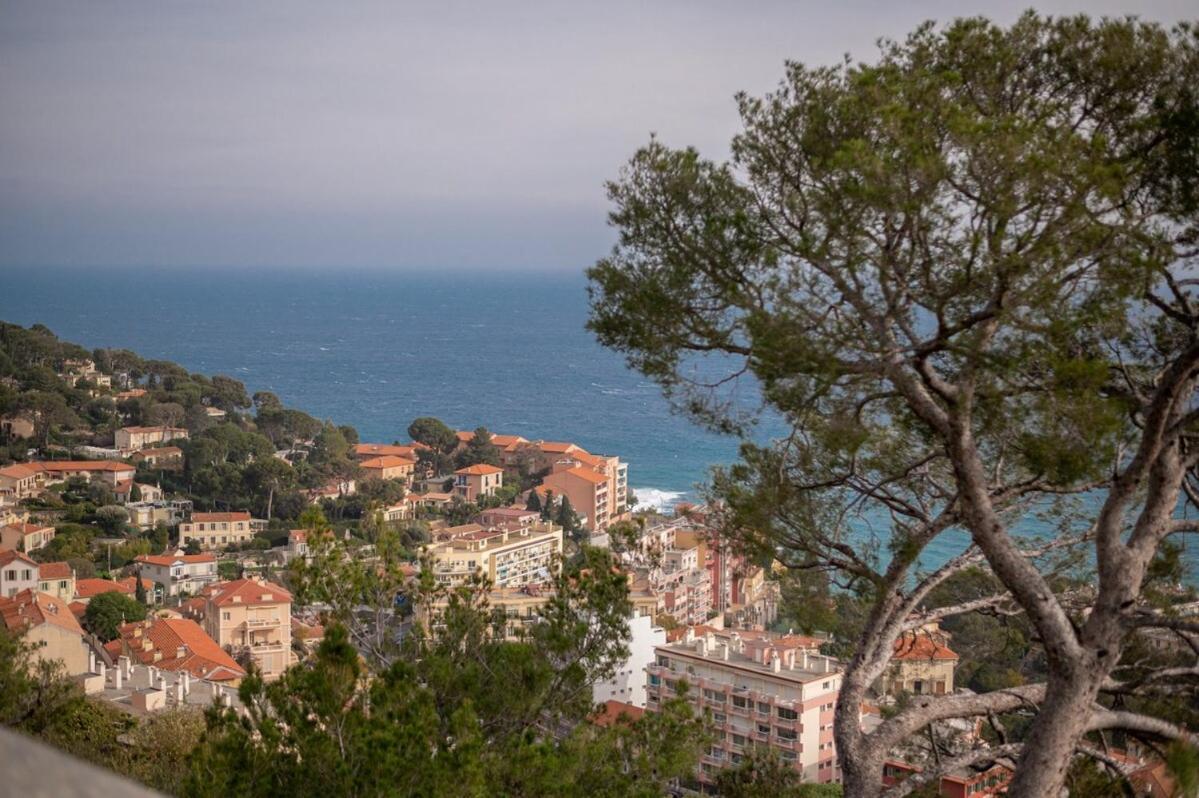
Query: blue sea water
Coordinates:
[375,350]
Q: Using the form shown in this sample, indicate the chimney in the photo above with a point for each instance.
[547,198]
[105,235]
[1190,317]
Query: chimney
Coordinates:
[789,654]
[116,679]
[828,665]
[776,664]
[91,661]
[804,660]
[701,646]
[180,652]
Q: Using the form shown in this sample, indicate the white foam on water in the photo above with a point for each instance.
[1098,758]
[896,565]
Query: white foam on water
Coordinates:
[656,499]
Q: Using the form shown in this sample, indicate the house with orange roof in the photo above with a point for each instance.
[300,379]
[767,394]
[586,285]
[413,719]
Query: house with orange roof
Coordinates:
[25,537]
[176,644]
[922,663]
[251,616]
[588,492]
[17,573]
[88,588]
[179,573]
[132,393]
[21,480]
[218,530]
[123,491]
[159,456]
[57,579]
[47,623]
[109,471]
[130,439]
[388,467]
[478,480]
[369,451]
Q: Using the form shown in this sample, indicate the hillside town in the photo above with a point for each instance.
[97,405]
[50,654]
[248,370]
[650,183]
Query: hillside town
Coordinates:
[156,596]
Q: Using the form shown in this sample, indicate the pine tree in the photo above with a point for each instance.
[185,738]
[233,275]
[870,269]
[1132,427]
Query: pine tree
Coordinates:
[534,502]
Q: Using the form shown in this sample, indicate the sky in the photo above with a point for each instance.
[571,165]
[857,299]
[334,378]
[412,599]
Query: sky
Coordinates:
[436,136]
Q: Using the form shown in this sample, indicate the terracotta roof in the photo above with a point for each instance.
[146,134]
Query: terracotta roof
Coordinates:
[240,515]
[388,461]
[249,591]
[168,560]
[27,529]
[89,588]
[480,469]
[434,497]
[464,435]
[298,535]
[509,512]
[594,477]
[77,608]
[54,570]
[130,582]
[31,608]
[558,447]
[614,712]
[84,465]
[922,644]
[507,441]
[595,461]
[19,470]
[385,449]
[11,555]
[201,656]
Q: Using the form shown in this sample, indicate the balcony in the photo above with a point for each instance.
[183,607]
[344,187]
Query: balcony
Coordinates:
[261,623]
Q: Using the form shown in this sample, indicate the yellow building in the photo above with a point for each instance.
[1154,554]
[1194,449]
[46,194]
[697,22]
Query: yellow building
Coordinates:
[218,530]
[472,482]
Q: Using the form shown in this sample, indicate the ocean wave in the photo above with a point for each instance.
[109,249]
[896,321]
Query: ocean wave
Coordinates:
[657,499]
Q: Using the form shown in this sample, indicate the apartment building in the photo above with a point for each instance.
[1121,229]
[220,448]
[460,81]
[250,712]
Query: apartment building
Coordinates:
[179,573]
[509,558]
[476,481]
[254,616]
[25,537]
[761,689]
[130,439]
[17,573]
[218,530]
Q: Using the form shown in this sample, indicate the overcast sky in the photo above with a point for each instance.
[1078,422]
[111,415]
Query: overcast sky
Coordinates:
[437,135]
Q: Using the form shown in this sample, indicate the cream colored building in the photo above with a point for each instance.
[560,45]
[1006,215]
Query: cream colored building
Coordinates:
[218,530]
[179,573]
[388,467]
[922,663]
[508,558]
[254,616]
[130,439]
[476,481]
[25,537]
[57,579]
[49,625]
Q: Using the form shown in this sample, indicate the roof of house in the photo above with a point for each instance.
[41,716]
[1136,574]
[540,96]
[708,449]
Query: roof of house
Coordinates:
[11,555]
[173,637]
[239,515]
[922,644]
[388,461]
[90,588]
[558,447]
[31,608]
[169,560]
[27,529]
[507,441]
[480,469]
[614,712]
[19,470]
[130,582]
[84,465]
[509,512]
[434,497]
[54,570]
[594,477]
[246,591]
[384,449]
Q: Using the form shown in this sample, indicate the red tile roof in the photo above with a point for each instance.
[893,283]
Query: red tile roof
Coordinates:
[249,591]
[384,449]
[12,555]
[388,461]
[201,656]
[558,447]
[84,465]
[480,469]
[922,644]
[54,570]
[168,560]
[90,588]
[240,515]
[614,712]
[594,477]
[31,608]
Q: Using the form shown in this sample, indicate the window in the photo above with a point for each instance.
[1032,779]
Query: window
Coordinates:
[763,708]
[227,615]
[763,728]
[826,685]
[738,739]
[785,734]
[654,679]
[719,717]
[787,714]
[713,695]
[740,702]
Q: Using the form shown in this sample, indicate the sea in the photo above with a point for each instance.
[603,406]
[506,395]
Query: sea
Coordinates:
[504,350]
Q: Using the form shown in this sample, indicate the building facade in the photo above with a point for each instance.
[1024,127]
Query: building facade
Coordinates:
[507,558]
[251,616]
[179,574]
[218,530]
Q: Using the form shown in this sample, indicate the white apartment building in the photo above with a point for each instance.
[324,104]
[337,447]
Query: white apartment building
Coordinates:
[628,683]
[179,573]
